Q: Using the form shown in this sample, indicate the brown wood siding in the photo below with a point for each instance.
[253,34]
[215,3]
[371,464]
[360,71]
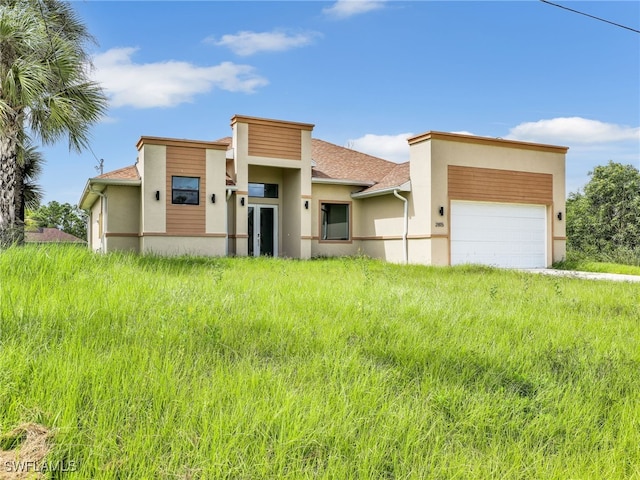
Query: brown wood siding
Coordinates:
[186,162]
[275,142]
[491,185]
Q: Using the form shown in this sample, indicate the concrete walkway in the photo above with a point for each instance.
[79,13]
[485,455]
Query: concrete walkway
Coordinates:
[613,277]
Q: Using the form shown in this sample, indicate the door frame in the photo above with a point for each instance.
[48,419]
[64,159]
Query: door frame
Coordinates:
[256,225]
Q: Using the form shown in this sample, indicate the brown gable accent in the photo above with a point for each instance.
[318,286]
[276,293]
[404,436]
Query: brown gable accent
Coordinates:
[491,185]
[186,162]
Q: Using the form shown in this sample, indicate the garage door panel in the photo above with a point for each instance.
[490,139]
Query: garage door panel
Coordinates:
[507,235]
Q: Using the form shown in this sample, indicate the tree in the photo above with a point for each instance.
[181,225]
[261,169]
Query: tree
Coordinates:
[605,218]
[44,87]
[30,162]
[63,216]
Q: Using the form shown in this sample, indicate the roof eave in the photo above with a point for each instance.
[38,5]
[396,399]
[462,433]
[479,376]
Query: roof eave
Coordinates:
[342,181]
[405,187]
[89,194]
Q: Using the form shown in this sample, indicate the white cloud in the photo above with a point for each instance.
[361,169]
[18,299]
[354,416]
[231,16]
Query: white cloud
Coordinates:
[572,130]
[390,147]
[167,84]
[348,8]
[246,43]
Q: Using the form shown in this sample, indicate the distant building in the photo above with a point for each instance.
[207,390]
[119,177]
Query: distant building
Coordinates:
[50,235]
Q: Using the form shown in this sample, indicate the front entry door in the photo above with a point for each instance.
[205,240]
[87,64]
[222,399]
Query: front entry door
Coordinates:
[263,230]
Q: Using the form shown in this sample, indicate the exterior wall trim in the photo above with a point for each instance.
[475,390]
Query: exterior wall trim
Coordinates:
[494,142]
[121,234]
[270,122]
[173,142]
[178,235]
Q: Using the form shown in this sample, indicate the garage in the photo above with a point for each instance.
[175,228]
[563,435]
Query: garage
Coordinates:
[506,235]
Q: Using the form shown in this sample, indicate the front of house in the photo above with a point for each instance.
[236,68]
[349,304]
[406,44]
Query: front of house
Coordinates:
[272,189]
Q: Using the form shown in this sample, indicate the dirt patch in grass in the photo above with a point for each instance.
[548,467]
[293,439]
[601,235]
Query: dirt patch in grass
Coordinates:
[22,452]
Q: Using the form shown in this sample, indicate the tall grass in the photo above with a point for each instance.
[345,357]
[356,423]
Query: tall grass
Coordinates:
[156,368]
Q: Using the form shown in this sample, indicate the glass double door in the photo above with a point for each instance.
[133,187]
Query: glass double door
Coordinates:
[263,230]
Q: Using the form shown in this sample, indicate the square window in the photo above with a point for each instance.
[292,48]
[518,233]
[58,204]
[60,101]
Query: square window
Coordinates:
[185,190]
[335,221]
[263,190]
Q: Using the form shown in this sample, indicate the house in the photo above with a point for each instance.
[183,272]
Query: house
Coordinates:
[273,189]
[50,235]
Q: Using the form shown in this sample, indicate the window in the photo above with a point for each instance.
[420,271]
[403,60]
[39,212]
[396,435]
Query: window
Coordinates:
[335,221]
[185,190]
[263,190]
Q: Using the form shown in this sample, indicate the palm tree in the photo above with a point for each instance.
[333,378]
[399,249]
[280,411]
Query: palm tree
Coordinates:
[44,88]
[30,162]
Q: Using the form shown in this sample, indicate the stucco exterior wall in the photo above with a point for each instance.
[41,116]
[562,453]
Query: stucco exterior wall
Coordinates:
[216,213]
[152,160]
[181,245]
[380,225]
[123,218]
[95,226]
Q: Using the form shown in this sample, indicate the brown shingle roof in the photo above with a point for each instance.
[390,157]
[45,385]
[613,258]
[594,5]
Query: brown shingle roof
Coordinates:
[339,163]
[51,235]
[126,173]
[396,177]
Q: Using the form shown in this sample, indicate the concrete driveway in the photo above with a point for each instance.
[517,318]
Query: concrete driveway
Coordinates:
[613,277]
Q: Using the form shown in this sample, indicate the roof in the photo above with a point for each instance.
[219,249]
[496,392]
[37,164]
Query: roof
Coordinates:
[127,176]
[125,173]
[340,163]
[333,162]
[399,175]
[50,235]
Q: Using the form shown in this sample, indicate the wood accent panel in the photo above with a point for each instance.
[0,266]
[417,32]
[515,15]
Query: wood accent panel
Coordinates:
[275,142]
[186,162]
[492,185]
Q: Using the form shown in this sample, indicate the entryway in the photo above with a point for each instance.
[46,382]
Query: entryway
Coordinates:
[263,230]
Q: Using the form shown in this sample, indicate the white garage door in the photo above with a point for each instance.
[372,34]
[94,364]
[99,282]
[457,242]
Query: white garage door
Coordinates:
[500,234]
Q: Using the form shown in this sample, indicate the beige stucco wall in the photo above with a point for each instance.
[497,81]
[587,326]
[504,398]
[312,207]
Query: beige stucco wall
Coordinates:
[380,224]
[152,164]
[240,145]
[95,227]
[216,213]
[291,212]
[123,217]
[172,245]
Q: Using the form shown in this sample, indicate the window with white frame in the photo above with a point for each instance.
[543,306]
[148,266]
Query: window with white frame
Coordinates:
[334,221]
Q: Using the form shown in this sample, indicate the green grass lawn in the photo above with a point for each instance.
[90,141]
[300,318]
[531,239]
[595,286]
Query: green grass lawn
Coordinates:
[599,267]
[151,368]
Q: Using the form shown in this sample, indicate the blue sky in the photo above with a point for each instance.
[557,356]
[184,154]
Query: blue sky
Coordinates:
[366,73]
